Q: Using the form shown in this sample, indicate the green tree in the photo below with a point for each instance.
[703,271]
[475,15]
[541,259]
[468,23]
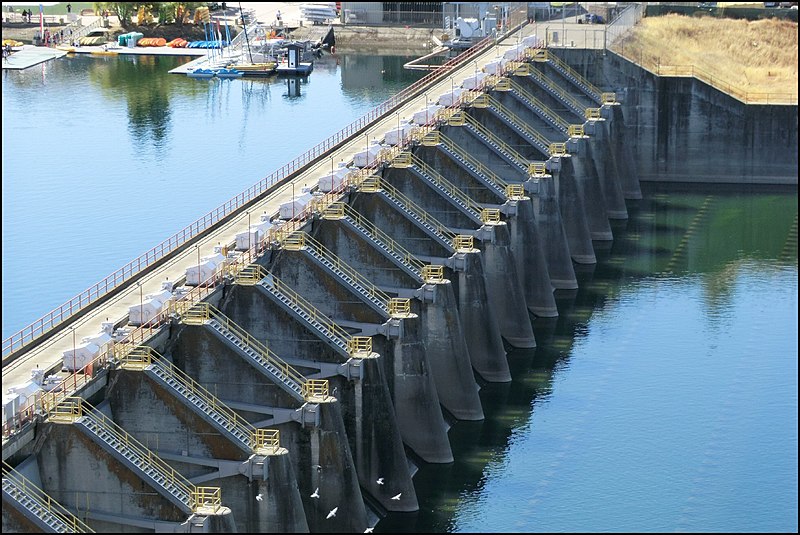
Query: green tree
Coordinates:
[123,10]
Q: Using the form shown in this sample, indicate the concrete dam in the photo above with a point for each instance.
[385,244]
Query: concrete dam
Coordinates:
[297,384]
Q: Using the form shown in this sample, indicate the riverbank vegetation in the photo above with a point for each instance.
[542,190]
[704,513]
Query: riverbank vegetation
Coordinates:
[757,56]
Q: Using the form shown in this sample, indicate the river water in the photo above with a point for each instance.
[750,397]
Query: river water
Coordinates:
[663,398]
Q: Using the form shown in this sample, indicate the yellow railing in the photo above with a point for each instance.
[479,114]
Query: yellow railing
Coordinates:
[292,240]
[557,89]
[503,84]
[62,410]
[432,273]
[168,473]
[538,103]
[52,507]
[206,499]
[315,388]
[208,311]
[468,96]
[140,357]
[597,94]
[359,346]
[399,306]
[313,313]
[333,211]
[403,159]
[420,212]
[576,130]
[537,54]
[477,164]
[408,258]
[592,114]
[267,439]
[557,149]
[537,169]
[608,98]
[518,68]
[370,184]
[372,290]
[463,242]
[523,125]
[490,215]
[502,144]
[515,191]
[448,186]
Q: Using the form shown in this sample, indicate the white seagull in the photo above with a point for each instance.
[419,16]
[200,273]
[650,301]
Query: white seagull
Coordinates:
[316,493]
[397,497]
[379,481]
[368,530]
[332,513]
[259,497]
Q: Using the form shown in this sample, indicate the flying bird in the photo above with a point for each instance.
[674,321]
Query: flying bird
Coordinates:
[397,497]
[259,497]
[316,493]
[332,513]
[368,530]
[379,481]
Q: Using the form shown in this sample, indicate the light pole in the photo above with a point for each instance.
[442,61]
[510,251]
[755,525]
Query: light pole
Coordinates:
[399,134]
[249,233]
[476,74]
[332,173]
[197,248]
[74,350]
[452,92]
[427,119]
[141,304]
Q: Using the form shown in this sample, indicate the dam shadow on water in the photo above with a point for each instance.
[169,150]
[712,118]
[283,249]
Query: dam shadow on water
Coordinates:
[549,455]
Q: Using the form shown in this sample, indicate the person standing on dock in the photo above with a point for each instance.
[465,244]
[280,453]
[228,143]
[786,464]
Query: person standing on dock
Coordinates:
[69,9]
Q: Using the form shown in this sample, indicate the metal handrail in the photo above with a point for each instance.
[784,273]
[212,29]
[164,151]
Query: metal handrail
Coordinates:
[488,133]
[141,357]
[447,185]
[372,290]
[596,93]
[482,169]
[572,101]
[57,316]
[420,212]
[209,311]
[302,303]
[519,122]
[167,472]
[44,500]
[564,125]
[411,260]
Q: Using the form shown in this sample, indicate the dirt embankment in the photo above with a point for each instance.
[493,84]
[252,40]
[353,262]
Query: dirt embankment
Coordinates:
[361,38]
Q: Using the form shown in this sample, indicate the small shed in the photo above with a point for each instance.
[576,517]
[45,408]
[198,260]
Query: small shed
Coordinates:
[473,82]
[368,156]
[396,135]
[295,207]
[144,312]
[80,357]
[334,180]
[426,115]
[449,98]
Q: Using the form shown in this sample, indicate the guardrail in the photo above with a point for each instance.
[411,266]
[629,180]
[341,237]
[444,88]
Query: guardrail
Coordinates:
[80,302]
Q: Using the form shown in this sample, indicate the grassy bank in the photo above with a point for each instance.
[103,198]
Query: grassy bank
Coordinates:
[755,56]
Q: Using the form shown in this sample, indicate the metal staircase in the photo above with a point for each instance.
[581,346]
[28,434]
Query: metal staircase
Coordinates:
[486,176]
[36,505]
[538,107]
[352,278]
[570,74]
[197,398]
[134,455]
[284,375]
[484,134]
[558,92]
[296,305]
[422,218]
[518,125]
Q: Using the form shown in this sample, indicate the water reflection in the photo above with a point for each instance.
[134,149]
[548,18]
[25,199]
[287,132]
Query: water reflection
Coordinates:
[529,467]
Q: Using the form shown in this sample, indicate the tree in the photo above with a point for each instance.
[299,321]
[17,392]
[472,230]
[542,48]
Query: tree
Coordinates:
[123,10]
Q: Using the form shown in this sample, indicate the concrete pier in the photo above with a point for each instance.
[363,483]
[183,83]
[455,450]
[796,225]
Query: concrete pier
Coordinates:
[588,182]
[554,238]
[573,214]
[532,262]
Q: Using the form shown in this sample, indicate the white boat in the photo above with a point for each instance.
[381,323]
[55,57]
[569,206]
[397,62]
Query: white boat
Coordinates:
[318,12]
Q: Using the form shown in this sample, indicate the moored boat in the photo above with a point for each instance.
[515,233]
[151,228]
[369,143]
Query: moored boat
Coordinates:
[255,69]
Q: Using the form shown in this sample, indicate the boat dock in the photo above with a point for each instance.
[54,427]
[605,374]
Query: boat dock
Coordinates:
[29,55]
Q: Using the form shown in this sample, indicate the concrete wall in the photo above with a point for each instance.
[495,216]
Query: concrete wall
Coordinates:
[680,129]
